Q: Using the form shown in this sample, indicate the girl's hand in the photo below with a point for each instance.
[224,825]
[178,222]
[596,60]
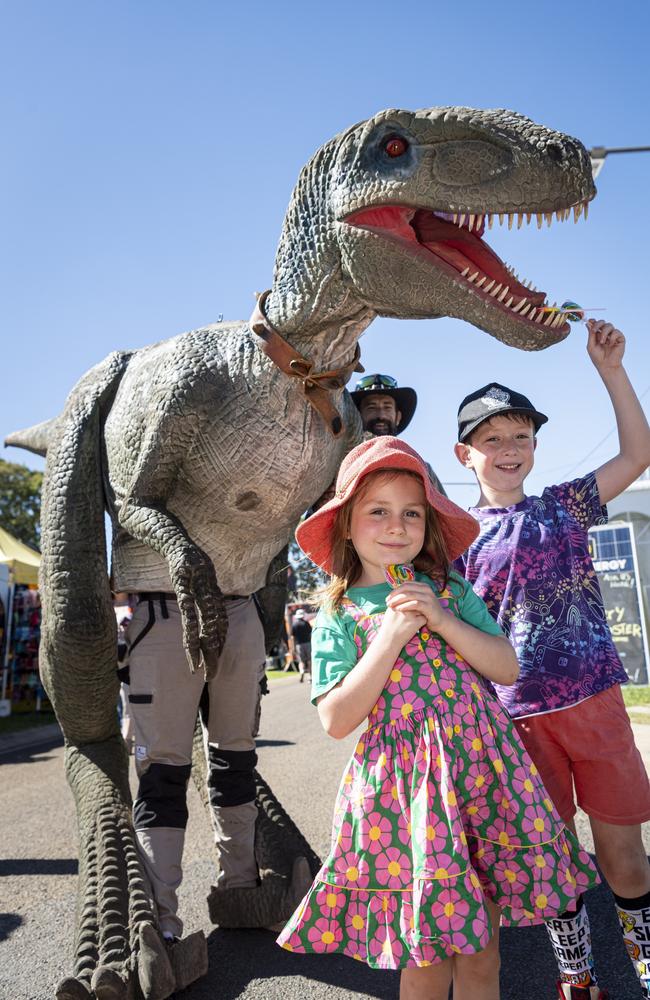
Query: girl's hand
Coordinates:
[399,626]
[606,344]
[419,598]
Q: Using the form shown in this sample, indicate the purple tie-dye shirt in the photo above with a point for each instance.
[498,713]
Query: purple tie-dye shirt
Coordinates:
[532,567]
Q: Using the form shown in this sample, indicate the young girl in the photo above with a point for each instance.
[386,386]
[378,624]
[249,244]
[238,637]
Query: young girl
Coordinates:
[441,822]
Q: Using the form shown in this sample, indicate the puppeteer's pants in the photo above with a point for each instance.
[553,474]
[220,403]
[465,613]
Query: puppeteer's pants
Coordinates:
[164,699]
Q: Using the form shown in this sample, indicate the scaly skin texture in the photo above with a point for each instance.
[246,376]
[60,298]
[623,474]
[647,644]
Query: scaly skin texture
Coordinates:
[207,454]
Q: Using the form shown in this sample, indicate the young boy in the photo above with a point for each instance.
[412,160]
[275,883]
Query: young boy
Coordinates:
[531,565]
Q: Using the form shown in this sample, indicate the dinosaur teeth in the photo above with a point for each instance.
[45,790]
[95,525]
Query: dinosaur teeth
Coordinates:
[465,272]
[510,301]
[496,291]
[540,220]
[577,211]
[489,286]
[549,320]
[520,306]
[503,293]
[482,281]
[501,216]
[558,320]
[510,220]
[473,277]
[472,220]
[586,210]
[490,220]
[549,218]
[520,220]
[461,219]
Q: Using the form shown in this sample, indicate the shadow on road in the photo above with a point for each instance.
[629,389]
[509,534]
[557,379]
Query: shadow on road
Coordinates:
[39,866]
[9,922]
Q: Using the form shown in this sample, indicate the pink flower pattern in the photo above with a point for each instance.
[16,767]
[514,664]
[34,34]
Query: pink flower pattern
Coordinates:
[438,807]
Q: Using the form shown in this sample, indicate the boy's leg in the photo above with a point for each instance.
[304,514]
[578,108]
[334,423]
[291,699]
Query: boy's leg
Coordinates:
[622,858]
[542,737]
[234,694]
[163,697]
[476,977]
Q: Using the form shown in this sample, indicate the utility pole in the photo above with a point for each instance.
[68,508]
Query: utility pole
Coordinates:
[598,154]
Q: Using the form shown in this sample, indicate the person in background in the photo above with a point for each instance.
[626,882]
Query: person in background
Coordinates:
[387,408]
[301,634]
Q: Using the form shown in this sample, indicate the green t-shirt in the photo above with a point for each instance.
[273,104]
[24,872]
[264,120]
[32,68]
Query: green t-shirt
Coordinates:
[333,649]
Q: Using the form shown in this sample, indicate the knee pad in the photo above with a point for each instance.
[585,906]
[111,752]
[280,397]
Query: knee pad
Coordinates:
[230,776]
[162,797]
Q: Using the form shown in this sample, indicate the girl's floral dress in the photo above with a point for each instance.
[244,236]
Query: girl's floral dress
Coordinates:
[439,807]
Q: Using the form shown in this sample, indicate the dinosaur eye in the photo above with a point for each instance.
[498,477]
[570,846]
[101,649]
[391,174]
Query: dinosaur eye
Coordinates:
[396,146]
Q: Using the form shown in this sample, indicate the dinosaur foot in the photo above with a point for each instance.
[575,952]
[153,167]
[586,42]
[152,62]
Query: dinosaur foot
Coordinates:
[189,959]
[266,905]
[160,969]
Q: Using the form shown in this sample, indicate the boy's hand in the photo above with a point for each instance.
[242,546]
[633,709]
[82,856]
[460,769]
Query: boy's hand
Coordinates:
[606,344]
[420,598]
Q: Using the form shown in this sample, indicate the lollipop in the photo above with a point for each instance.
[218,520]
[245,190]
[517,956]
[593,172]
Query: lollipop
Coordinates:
[573,312]
[398,573]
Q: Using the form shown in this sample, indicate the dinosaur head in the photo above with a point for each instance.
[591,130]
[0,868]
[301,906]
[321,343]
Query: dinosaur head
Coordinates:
[399,208]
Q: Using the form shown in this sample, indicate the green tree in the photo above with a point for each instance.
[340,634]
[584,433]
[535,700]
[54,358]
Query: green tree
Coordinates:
[306,576]
[20,502]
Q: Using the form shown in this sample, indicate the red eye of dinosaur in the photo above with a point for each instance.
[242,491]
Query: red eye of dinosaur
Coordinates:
[396,146]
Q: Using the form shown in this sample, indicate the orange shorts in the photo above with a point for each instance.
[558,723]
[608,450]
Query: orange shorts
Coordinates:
[590,746]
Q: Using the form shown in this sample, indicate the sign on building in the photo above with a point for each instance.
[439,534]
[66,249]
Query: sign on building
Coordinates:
[615,562]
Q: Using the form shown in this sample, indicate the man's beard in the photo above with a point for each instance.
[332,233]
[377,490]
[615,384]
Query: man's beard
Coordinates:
[379,426]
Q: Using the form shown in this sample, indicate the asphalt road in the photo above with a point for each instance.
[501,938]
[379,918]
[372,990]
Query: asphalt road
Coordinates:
[303,766]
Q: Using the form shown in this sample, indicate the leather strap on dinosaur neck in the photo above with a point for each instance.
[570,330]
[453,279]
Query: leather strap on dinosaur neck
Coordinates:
[315,385]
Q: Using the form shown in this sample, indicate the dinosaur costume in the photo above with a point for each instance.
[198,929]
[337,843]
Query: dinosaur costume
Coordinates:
[206,449]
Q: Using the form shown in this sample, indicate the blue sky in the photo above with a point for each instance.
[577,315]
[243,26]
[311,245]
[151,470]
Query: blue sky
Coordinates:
[150,149]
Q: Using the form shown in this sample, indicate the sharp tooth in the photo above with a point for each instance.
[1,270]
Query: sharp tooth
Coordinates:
[489,286]
[500,218]
[528,218]
[586,210]
[479,221]
[481,281]
[490,220]
[520,306]
[539,220]
[559,319]
[510,220]
[496,290]
[464,273]
[577,212]
[472,277]
[454,218]
[559,215]
[531,314]
[462,218]
[525,310]
[510,301]
[549,320]
[472,220]
[549,218]
[504,293]
[520,220]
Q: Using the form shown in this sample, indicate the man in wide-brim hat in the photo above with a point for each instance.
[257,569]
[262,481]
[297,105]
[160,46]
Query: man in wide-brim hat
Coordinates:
[385,407]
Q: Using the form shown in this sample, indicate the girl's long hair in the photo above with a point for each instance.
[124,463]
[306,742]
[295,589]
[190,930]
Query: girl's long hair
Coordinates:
[432,560]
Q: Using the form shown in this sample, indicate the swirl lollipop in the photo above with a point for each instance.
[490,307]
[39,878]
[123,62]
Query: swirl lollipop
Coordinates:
[398,573]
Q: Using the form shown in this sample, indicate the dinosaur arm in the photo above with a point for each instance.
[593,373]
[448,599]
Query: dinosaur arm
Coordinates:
[144,514]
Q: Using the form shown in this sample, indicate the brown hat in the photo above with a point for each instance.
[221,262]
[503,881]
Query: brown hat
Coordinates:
[458,528]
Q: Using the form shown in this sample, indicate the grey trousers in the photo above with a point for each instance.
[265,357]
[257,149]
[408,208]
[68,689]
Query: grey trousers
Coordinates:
[164,699]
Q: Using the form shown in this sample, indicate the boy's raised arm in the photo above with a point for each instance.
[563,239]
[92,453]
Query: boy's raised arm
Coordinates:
[606,346]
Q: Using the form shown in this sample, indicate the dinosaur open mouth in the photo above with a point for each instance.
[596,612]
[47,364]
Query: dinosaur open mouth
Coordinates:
[456,241]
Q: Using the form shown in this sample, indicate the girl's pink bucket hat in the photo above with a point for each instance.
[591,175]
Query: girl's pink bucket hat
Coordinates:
[458,528]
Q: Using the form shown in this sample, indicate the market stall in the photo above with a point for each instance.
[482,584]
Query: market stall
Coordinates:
[20,626]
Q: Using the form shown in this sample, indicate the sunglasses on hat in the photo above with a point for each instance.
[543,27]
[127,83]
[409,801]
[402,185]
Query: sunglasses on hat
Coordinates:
[376,381]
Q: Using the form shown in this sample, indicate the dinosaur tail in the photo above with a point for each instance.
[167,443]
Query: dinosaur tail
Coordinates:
[34,438]
[78,633]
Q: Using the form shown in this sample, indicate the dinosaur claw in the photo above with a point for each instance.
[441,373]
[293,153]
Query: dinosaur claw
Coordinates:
[72,989]
[108,985]
[155,973]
